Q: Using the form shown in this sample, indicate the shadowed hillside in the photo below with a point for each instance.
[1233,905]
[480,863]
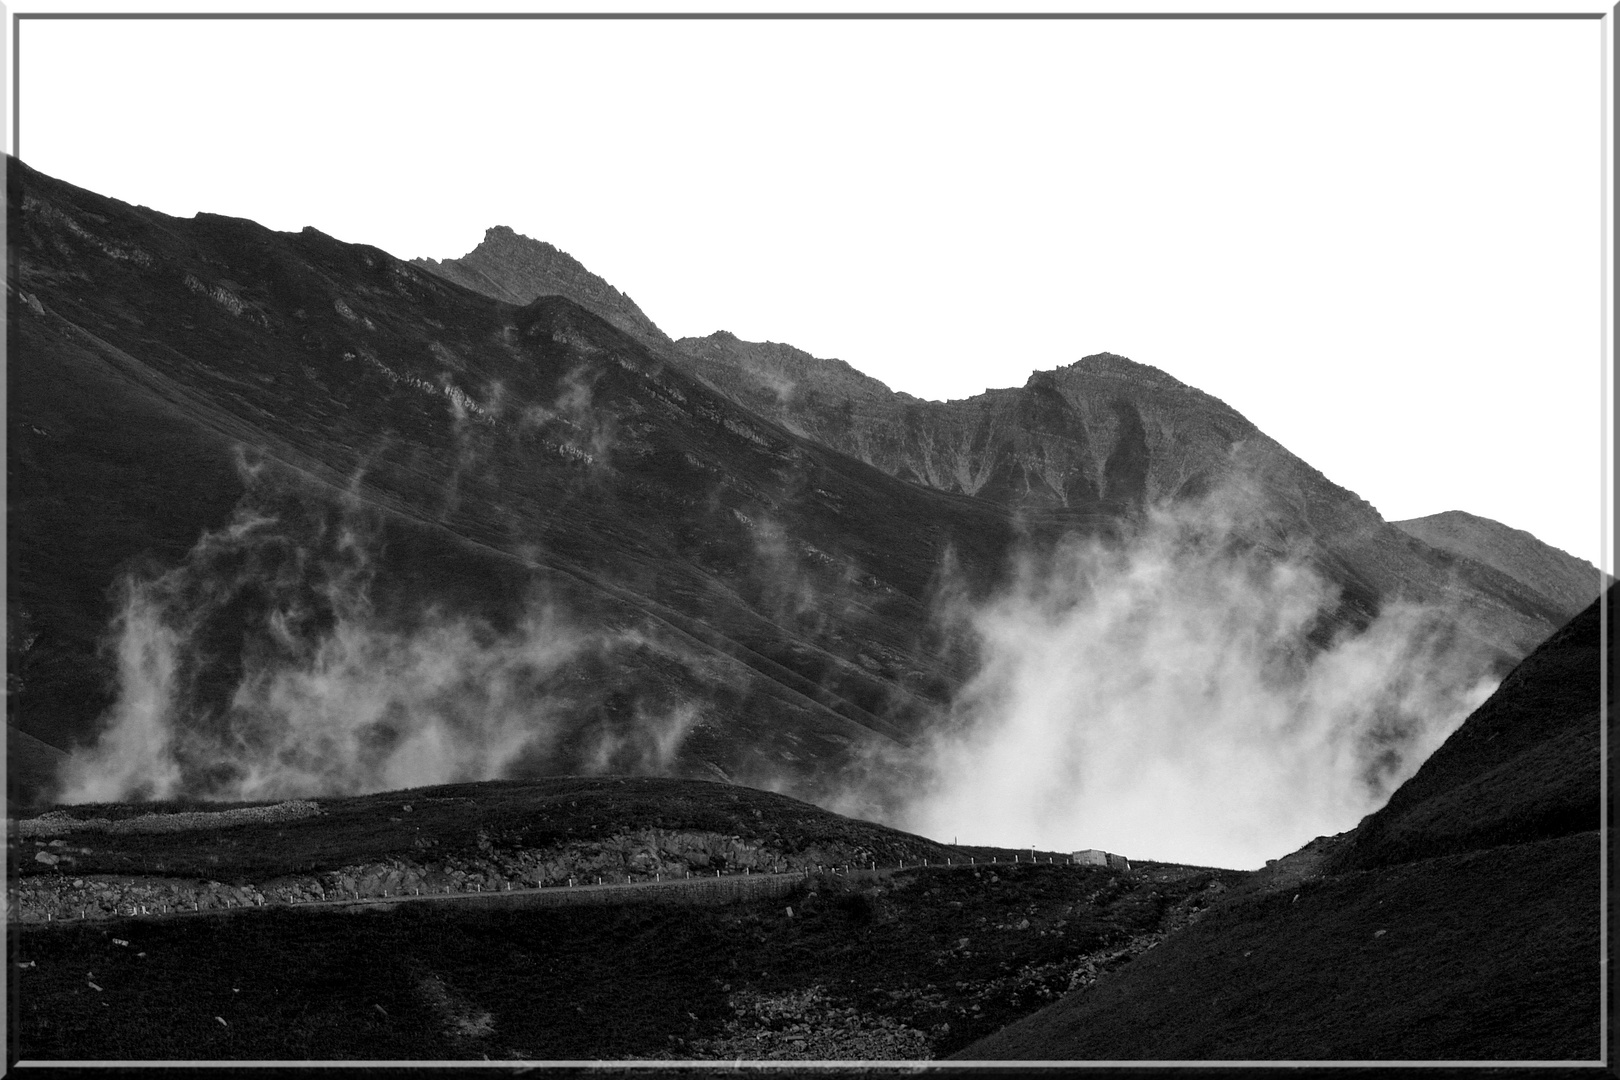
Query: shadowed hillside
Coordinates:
[1460,922]
[214,426]
[742,950]
[1523,767]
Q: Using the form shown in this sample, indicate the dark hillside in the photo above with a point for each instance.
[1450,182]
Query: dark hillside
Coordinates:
[457,821]
[1523,766]
[1460,922]
[443,923]
[1490,955]
[168,374]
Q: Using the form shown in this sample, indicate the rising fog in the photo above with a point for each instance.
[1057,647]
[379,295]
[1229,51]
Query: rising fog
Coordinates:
[1171,693]
[1158,695]
[325,695]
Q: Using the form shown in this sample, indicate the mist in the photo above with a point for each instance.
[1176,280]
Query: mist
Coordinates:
[1160,695]
[1171,693]
[260,667]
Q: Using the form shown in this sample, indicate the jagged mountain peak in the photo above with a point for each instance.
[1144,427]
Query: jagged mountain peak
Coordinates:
[519,269]
[504,236]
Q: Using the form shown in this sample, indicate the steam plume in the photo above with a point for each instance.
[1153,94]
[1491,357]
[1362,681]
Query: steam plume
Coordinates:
[1159,696]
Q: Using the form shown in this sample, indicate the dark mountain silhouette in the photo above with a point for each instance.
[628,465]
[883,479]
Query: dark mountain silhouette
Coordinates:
[1568,583]
[1459,922]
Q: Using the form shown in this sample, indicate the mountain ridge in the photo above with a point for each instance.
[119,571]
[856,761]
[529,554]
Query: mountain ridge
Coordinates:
[1563,578]
[768,605]
[1102,436]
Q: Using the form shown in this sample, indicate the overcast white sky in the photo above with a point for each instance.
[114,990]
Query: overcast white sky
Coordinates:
[1381,241]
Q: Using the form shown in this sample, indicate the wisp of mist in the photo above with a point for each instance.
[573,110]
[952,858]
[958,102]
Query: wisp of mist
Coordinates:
[1160,696]
[323,695]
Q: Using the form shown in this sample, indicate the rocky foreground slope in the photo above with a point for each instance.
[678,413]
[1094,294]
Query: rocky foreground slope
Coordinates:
[842,964]
[89,862]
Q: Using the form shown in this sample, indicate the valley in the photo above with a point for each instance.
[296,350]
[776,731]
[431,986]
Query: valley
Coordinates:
[434,660]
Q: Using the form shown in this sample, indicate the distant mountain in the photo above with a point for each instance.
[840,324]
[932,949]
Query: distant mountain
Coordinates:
[509,266]
[1568,583]
[1461,922]
[1093,441]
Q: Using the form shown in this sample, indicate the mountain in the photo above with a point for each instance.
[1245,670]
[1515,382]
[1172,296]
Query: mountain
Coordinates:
[288,515]
[509,266]
[1091,441]
[287,440]
[1568,583]
[1460,922]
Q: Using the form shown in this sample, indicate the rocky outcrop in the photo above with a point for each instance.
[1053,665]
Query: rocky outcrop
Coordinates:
[509,266]
[1103,437]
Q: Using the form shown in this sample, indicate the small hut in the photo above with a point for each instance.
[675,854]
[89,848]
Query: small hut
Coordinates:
[1091,857]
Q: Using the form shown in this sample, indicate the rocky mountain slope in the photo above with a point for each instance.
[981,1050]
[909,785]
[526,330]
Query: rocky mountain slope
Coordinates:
[1568,583]
[1096,439]
[1461,922]
[316,461]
